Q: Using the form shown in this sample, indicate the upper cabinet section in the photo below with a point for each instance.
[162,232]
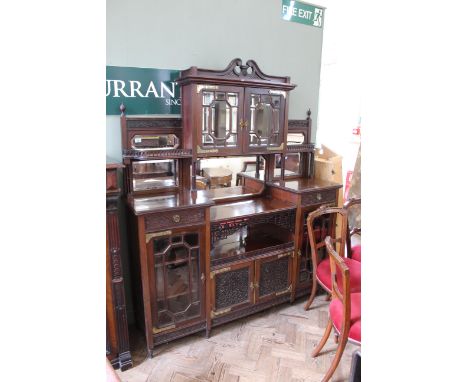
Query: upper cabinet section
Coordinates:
[235,111]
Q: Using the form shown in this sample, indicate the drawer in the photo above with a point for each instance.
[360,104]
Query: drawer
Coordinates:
[318,197]
[173,219]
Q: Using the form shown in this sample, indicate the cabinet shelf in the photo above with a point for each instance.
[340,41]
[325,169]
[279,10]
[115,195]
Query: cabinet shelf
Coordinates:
[248,242]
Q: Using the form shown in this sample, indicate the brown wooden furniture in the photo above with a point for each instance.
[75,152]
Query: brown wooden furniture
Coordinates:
[201,258]
[353,206]
[320,260]
[117,345]
[345,309]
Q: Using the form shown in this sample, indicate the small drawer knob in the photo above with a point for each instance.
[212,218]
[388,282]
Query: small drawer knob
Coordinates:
[176,218]
[319,196]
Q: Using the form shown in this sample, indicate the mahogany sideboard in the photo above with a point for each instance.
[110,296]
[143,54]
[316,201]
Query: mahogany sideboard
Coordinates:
[201,258]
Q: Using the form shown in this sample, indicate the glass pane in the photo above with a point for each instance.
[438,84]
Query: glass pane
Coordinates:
[191,239]
[220,121]
[176,239]
[264,120]
[148,175]
[155,142]
[178,294]
[296,138]
[195,279]
[160,244]
[232,99]
[176,254]
[207,98]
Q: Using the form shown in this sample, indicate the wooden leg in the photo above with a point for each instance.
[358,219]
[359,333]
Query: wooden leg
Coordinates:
[324,339]
[336,360]
[312,294]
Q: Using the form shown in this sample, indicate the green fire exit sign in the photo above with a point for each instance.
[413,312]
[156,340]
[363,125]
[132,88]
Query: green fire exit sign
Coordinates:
[302,13]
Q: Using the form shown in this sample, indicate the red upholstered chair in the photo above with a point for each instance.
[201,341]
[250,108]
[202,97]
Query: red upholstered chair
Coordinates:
[353,206]
[321,267]
[344,310]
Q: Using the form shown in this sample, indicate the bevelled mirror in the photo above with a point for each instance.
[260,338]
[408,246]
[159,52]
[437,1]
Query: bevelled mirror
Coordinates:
[154,174]
[155,142]
[219,119]
[296,138]
[292,165]
[264,120]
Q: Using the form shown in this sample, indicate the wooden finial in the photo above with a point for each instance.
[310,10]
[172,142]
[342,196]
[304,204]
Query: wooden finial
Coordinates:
[122,109]
[308,113]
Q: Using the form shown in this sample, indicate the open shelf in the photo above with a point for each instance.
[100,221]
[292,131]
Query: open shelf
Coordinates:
[250,241]
[247,208]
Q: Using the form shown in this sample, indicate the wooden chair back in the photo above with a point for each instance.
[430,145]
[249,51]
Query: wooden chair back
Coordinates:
[337,264]
[339,239]
[352,206]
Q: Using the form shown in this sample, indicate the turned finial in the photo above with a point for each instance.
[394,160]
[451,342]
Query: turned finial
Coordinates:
[308,113]
[122,109]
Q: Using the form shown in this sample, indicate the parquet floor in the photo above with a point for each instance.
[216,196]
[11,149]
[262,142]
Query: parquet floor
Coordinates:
[271,346]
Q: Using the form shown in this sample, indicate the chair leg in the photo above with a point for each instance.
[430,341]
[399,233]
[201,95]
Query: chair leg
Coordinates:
[312,294]
[336,360]
[324,339]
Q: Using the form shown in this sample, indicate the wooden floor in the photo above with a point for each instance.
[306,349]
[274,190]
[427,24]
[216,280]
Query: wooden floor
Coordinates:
[271,346]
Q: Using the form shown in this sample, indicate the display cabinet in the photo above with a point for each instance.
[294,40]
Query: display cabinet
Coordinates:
[204,257]
[235,111]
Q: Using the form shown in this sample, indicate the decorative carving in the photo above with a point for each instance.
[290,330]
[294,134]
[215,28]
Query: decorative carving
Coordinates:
[273,276]
[231,288]
[162,220]
[163,154]
[206,151]
[303,147]
[153,122]
[222,230]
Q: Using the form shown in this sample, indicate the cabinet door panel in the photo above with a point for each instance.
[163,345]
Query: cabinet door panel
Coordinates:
[273,276]
[232,288]
[220,115]
[264,119]
[176,289]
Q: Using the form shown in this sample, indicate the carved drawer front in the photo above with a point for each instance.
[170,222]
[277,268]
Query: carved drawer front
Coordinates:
[232,287]
[176,218]
[318,197]
[273,276]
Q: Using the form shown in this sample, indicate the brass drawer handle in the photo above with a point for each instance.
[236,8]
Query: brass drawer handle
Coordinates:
[176,218]
[319,196]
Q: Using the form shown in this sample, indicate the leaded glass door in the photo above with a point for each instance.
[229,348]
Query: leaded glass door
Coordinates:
[177,280]
[221,114]
[264,119]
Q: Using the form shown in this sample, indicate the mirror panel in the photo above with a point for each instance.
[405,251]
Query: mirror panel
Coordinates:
[292,165]
[296,138]
[155,142]
[264,120]
[154,174]
[220,119]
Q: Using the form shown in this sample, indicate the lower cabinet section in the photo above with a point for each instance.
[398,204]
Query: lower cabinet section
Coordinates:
[239,287]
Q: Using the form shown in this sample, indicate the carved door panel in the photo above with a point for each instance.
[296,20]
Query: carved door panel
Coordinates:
[273,276]
[232,288]
[220,109]
[264,119]
[177,282]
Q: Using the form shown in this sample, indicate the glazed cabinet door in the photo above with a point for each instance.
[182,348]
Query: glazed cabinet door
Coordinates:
[177,282]
[273,276]
[220,113]
[232,288]
[264,120]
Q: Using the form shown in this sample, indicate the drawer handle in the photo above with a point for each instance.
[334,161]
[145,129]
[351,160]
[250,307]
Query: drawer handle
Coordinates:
[319,196]
[176,218]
